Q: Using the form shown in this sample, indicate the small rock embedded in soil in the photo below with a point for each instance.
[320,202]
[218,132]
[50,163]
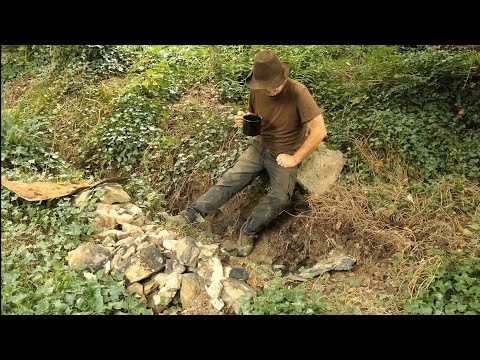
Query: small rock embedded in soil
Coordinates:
[239,274]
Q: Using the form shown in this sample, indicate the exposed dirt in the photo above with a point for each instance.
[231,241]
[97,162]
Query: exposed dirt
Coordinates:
[309,228]
[16,89]
[200,95]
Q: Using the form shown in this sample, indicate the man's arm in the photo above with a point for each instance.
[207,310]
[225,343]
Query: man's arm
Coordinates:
[318,131]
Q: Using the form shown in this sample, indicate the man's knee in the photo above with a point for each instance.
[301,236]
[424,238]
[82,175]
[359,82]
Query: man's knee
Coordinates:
[279,198]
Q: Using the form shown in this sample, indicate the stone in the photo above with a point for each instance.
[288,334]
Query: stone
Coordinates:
[130,228]
[143,246]
[130,251]
[173,281]
[108,267]
[144,263]
[103,220]
[128,241]
[167,293]
[233,290]
[114,193]
[108,207]
[131,208]
[123,235]
[192,287]
[139,240]
[150,228]
[167,235]
[88,254]
[139,221]
[82,197]
[320,170]
[238,274]
[207,251]
[124,219]
[334,261]
[155,240]
[136,288]
[214,290]
[157,309]
[171,244]
[187,252]
[112,233]
[108,241]
[157,281]
[174,265]
[117,258]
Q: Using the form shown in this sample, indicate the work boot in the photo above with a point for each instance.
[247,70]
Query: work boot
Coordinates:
[185,217]
[243,246]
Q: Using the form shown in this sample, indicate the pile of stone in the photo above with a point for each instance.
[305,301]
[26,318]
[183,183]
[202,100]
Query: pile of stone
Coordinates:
[161,268]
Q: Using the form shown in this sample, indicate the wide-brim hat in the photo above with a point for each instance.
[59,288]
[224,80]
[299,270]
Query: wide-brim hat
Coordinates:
[268,71]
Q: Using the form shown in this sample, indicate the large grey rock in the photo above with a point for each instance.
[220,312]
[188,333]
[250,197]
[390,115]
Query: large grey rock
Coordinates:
[192,287]
[88,254]
[144,263]
[321,170]
[188,252]
[233,290]
[114,193]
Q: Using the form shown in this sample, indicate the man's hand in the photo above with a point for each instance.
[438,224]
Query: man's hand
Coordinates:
[286,161]
[238,119]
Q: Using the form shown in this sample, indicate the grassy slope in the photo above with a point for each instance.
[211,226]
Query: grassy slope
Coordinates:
[151,113]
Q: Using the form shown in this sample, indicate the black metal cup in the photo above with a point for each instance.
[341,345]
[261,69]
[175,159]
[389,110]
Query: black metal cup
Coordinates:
[252,124]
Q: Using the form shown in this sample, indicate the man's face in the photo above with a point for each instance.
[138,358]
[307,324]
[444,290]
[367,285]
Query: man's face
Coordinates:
[277,90]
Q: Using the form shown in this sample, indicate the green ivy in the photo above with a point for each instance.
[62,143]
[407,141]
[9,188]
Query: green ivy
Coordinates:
[455,290]
[279,298]
[36,238]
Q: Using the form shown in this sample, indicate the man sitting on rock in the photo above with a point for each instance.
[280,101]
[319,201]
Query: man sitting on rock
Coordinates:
[287,108]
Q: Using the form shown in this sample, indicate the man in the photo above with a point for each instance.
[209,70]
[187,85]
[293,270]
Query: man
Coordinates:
[287,108]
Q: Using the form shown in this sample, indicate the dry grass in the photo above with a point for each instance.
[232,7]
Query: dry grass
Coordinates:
[15,90]
[389,228]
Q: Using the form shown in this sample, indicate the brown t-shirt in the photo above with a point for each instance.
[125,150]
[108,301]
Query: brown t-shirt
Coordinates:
[284,116]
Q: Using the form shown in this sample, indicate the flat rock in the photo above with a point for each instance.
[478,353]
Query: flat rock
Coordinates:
[88,254]
[144,263]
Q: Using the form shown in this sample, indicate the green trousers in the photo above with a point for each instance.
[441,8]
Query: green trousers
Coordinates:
[248,166]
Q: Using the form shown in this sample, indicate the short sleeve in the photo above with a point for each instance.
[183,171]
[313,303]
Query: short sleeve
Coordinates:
[306,105]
